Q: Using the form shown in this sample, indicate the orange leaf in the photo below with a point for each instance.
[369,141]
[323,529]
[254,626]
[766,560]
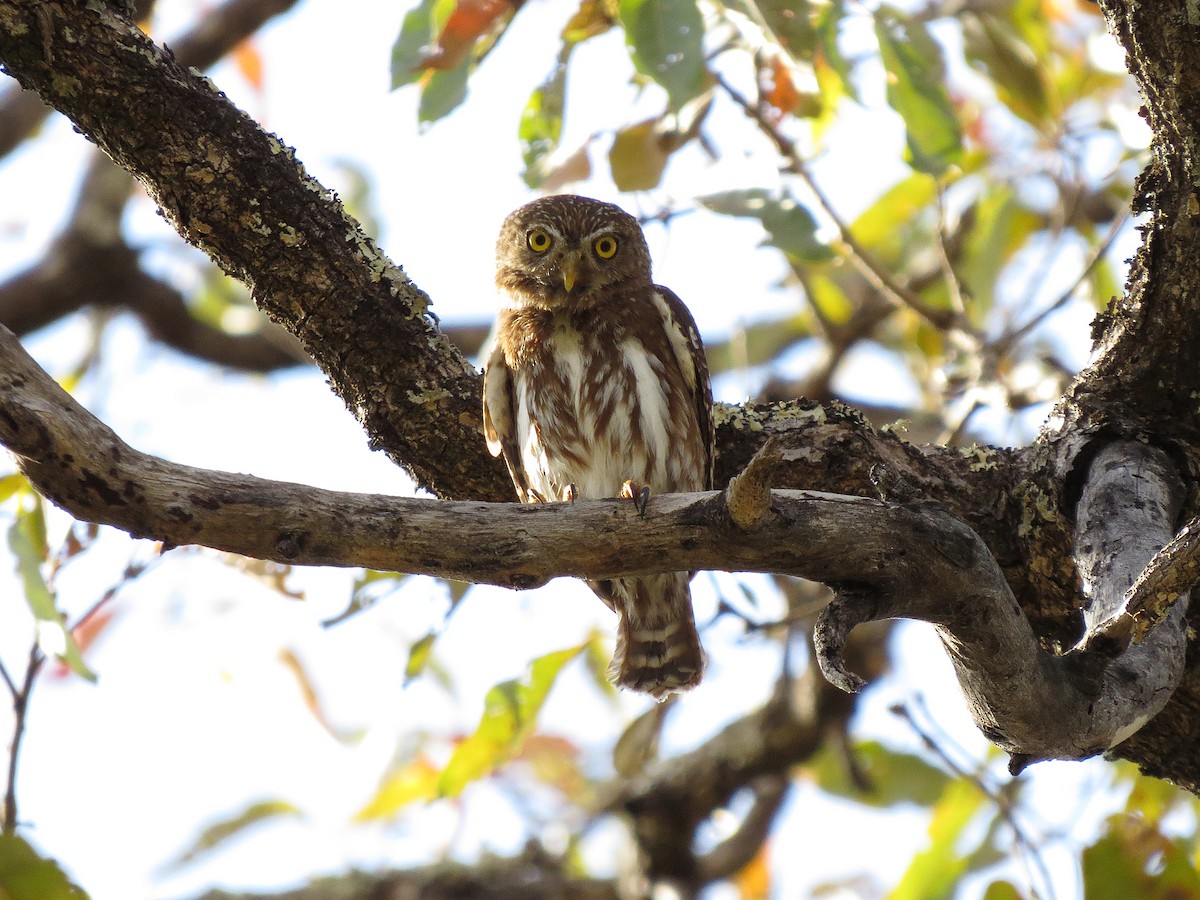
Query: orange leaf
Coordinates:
[86,632]
[781,90]
[469,21]
[249,62]
[753,880]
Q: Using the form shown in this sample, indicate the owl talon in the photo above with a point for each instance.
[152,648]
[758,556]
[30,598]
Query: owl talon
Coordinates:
[569,494]
[638,493]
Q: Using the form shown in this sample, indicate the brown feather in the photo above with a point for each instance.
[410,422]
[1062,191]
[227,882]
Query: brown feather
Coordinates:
[589,387]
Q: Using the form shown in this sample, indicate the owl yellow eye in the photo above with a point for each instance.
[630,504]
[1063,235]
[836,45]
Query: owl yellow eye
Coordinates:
[539,241]
[605,247]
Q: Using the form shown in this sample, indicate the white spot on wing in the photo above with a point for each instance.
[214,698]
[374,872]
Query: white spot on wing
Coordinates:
[679,341]
[652,403]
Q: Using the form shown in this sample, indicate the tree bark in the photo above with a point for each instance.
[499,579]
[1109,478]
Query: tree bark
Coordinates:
[997,528]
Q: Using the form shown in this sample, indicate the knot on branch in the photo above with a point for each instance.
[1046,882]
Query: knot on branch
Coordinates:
[748,495]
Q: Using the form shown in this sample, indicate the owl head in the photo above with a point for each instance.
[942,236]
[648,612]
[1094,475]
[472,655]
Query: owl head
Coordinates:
[567,251]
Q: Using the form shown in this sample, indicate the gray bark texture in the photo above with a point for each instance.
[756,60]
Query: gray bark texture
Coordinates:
[992,546]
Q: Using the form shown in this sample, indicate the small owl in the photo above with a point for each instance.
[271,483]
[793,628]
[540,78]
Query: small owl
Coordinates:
[597,386]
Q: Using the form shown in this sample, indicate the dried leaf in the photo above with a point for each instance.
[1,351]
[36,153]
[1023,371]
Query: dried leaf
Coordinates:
[249,62]
[216,835]
[573,168]
[312,699]
[470,20]
[638,745]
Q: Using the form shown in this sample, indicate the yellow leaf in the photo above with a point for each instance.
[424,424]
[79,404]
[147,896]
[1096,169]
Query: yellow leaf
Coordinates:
[415,781]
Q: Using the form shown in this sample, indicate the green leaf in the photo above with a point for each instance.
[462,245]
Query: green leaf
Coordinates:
[445,90]
[1135,859]
[1104,284]
[791,22]
[416,36]
[592,18]
[665,39]
[1016,73]
[26,875]
[216,835]
[829,299]
[11,484]
[510,713]
[541,121]
[904,202]
[364,594]
[935,871]
[758,343]
[828,25]
[893,777]
[789,226]
[917,91]
[1002,890]
[418,657]
[1002,225]
[27,540]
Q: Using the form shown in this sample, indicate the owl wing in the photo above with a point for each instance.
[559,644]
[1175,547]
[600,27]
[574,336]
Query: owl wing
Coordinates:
[689,352]
[500,418]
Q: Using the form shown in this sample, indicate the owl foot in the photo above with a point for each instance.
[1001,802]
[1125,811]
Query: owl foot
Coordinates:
[638,493]
[569,494]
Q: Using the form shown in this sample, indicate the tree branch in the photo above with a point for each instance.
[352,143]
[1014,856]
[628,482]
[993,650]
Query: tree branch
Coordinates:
[889,560]
[241,196]
[1032,703]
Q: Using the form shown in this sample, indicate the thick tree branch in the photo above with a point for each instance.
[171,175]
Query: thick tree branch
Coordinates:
[219,31]
[80,464]
[1126,514]
[889,560]
[90,264]
[240,195]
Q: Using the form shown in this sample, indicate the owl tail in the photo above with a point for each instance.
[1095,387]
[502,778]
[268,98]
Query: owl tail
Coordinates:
[658,650]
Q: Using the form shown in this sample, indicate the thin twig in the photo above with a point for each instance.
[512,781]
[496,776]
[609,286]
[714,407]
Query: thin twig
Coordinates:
[20,711]
[868,266]
[12,687]
[1003,804]
[953,285]
[1098,252]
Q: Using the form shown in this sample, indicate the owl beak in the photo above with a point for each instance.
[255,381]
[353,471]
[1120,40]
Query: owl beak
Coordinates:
[570,271]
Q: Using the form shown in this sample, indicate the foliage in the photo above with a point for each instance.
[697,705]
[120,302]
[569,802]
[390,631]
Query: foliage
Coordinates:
[1000,217]
[25,875]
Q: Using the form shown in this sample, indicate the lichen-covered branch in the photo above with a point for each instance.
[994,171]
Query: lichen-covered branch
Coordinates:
[241,195]
[887,560]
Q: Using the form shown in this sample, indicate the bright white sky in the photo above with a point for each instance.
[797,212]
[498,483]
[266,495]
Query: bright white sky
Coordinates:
[194,717]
